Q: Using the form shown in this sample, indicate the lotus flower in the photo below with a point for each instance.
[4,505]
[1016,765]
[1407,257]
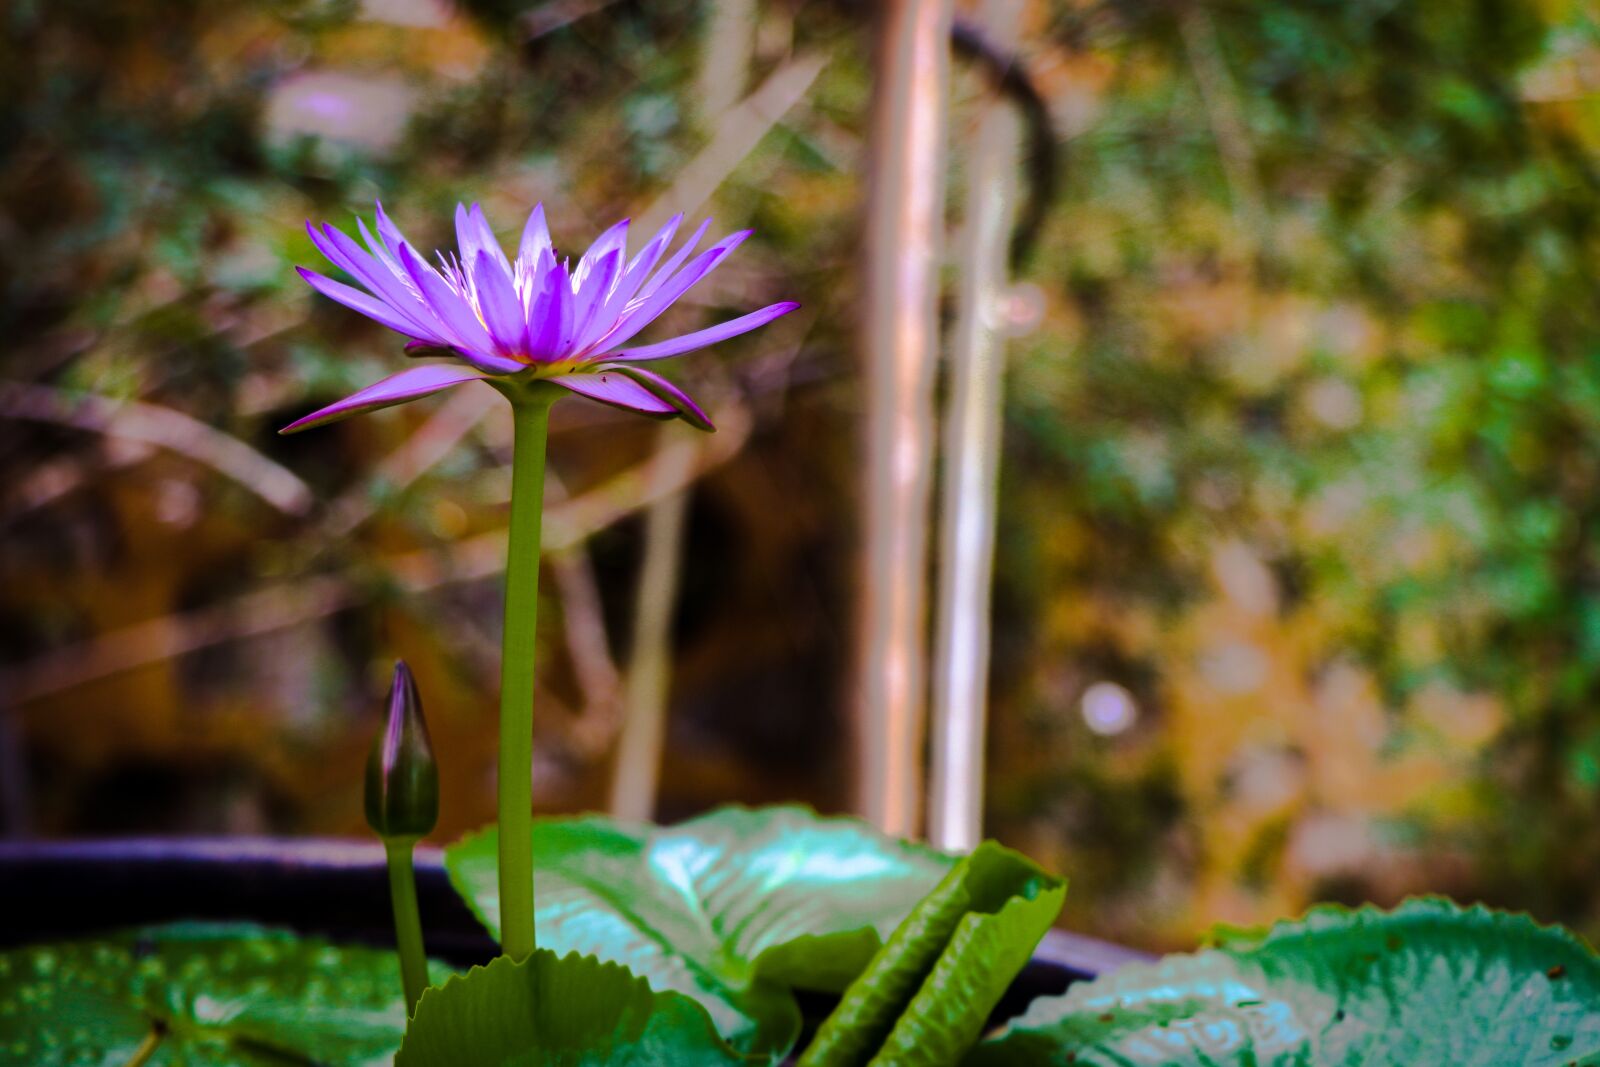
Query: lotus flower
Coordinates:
[533,318]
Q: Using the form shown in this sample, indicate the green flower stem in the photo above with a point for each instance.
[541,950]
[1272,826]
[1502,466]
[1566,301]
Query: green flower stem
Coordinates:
[147,1047]
[530,408]
[407,922]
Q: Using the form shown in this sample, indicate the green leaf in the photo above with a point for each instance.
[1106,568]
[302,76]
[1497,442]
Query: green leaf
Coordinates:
[735,908]
[925,996]
[1427,985]
[567,1011]
[215,995]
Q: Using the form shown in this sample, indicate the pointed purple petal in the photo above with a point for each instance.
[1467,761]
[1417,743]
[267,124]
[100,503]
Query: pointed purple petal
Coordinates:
[677,346]
[664,297]
[395,389]
[376,277]
[638,269]
[379,250]
[356,300]
[502,311]
[489,241]
[614,239]
[391,235]
[448,306]
[586,324]
[673,263]
[550,320]
[535,238]
[662,390]
[468,240]
[619,391]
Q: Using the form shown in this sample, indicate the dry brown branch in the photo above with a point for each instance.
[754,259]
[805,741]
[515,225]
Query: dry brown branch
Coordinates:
[164,427]
[431,442]
[304,599]
[1226,118]
[644,710]
[738,132]
[589,648]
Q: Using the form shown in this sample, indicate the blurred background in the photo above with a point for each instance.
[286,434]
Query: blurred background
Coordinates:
[1296,587]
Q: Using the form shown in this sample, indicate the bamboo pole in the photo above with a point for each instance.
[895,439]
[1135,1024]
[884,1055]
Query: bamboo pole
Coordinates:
[905,210]
[636,775]
[970,483]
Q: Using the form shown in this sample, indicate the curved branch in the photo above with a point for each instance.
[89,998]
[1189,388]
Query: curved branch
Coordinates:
[168,428]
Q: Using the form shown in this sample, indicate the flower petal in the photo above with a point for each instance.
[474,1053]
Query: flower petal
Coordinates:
[344,252]
[639,267]
[497,299]
[392,237]
[677,346]
[550,319]
[587,325]
[535,238]
[662,298]
[673,263]
[615,239]
[356,300]
[395,389]
[618,390]
[662,390]
[473,235]
[464,331]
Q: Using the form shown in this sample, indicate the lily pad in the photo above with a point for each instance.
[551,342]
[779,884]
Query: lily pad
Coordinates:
[568,1011]
[923,999]
[201,995]
[1427,985]
[735,908]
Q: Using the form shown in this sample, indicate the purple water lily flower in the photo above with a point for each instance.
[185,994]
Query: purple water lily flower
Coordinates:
[534,318]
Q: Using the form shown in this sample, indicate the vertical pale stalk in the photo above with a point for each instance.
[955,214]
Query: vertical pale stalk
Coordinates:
[725,58]
[531,417]
[644,703]
[724,69]
[905,218]
[969,487]
[399,851]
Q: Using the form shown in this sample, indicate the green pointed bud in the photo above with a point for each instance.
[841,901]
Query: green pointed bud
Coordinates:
[402,778]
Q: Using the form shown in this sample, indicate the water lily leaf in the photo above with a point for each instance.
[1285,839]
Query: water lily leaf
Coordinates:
[566,1011]
[204,995]
[735,908]
[925,996]
[1427,985]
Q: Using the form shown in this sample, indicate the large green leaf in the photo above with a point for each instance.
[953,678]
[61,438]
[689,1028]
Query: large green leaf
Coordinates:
[924,997]
[214,995]
[734,908]
[567,1011]
[1427,985]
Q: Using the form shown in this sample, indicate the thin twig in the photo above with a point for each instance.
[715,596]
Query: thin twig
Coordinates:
[1226,118]
[165,427]
[301,600]
[644,702]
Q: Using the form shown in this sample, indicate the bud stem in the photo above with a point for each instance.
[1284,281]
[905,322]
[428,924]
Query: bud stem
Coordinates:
[407,922]
[531,416]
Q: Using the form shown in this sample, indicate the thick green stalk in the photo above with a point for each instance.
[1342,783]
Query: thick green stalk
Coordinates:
[407,921]
[531,414]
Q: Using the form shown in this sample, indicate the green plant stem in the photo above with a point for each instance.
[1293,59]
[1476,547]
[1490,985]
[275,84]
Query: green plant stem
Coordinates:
[147,1047]
[531,416]
[407,922]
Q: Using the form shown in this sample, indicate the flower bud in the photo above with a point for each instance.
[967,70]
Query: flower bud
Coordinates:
[402,778]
